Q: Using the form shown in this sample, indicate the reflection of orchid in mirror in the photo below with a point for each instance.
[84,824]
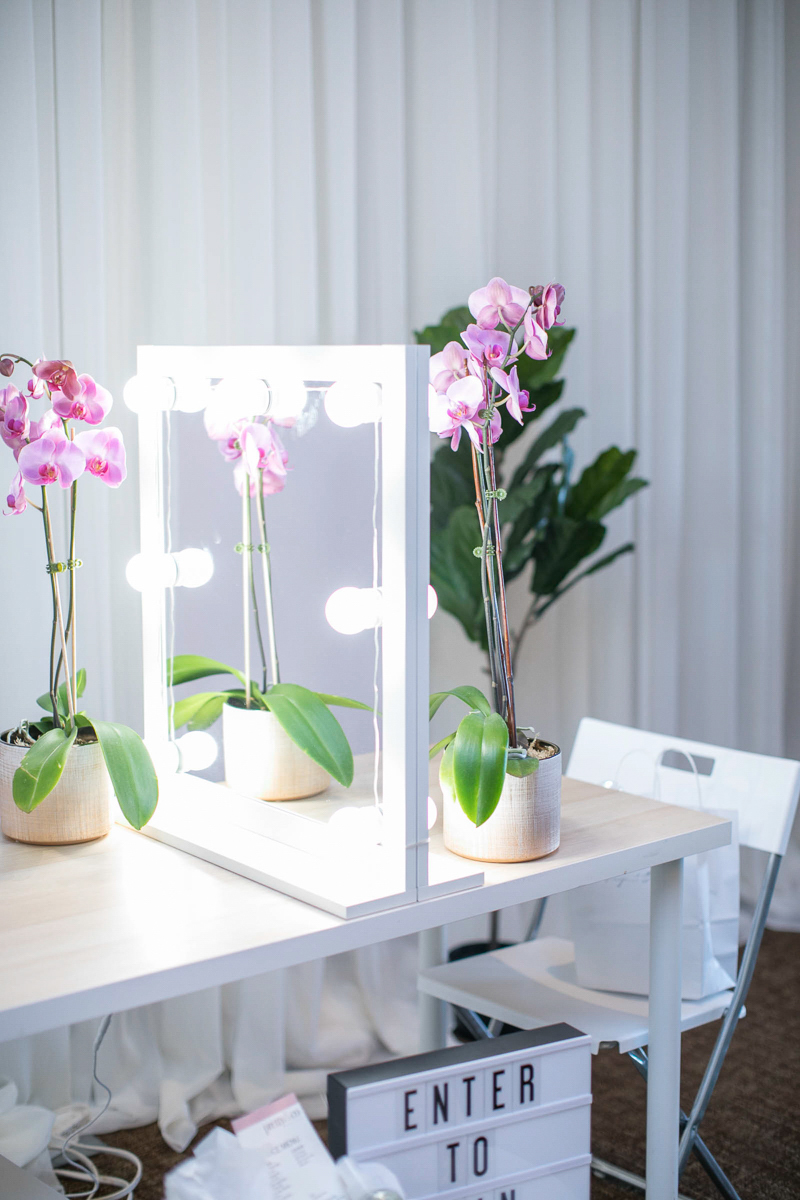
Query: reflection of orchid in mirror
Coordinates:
[50,447]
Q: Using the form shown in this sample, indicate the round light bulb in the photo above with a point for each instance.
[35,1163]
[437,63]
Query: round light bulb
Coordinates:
[351,610]
[353,402]
[359,827]
[151,570]
[198,750]
[433,600]
[166,757]
[240,396]
[433,812]
[194,567]
[149,393]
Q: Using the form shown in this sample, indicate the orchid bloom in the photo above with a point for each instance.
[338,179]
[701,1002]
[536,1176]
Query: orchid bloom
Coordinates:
[496,302]
[447,366]
[52,458]
[535,338]
[263,450]
[16,421]
[59,375]
[487,345]
[48,421]
[517,401]
[16,499]
[271,481]
[547,302]
[104,451]
[35,389]
[90,405]
[456,410]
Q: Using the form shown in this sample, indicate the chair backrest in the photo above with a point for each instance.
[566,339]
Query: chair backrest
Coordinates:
[762,790]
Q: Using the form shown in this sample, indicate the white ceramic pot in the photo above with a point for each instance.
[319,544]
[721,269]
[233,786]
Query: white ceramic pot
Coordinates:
[526,823]
[77,810]
[262,760]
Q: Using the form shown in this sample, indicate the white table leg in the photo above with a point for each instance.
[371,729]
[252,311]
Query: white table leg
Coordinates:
[432,1012]
[664,1051]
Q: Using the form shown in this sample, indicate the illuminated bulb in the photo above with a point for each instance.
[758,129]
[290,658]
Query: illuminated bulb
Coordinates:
[351,610]
[166,757]
[288,399]
[433,812]
[194,567]
[149,393]
[236,397]
[359,827]
[193,393]
[187,568]
[198,750]
[433,600]
[350,403]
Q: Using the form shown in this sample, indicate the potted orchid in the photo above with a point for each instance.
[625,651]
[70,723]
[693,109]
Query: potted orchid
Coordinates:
[501,782]
[280,740]
[59,772]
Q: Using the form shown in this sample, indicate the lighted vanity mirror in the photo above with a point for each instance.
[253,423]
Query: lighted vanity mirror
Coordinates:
[284,580]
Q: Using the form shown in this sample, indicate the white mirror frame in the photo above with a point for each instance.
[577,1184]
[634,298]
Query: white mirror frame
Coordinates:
[286,851]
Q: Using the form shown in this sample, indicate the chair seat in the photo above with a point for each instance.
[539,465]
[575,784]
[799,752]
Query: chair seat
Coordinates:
[533,984]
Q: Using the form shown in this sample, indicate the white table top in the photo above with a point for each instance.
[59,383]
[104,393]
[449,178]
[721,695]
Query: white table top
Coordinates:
[124,921]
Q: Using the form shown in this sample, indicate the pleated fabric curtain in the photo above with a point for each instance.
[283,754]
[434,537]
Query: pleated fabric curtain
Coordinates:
[345,170]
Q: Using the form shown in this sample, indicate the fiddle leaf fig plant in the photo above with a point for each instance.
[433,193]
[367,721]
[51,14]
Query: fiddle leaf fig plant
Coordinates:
[50,446]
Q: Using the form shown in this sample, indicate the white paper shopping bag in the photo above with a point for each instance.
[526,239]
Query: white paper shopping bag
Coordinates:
[611,920]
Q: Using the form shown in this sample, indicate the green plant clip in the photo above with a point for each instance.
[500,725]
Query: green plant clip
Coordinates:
[499,494]
[478,551]
[244,547]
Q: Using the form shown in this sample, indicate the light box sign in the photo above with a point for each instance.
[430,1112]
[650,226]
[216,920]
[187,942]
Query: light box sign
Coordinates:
[507,1118]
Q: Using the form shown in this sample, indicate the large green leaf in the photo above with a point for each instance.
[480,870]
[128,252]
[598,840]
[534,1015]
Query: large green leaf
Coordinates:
[598,479]
[441,745]
[473,698]
[564,424]
[185,668]
[41,768]
[480,753]
[616,496]
[452,483]
[520,766]
[46,703]
[133,775]
[342,701]
[566,544]
[312,727]
[456,572]
[598,565]
[184,711]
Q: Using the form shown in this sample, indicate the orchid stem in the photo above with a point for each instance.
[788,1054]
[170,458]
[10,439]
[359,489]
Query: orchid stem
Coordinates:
[246,568]
[48,533]
[267,572]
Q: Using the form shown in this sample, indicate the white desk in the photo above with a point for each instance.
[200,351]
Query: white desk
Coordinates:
[110,925]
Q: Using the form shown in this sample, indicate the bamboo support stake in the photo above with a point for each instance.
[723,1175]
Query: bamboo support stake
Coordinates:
[246,552]
[267,572]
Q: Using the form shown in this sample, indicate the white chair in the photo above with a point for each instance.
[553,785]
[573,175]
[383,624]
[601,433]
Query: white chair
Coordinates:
[534,984]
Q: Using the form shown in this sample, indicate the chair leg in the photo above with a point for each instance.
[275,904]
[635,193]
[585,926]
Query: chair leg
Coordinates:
[477,1027]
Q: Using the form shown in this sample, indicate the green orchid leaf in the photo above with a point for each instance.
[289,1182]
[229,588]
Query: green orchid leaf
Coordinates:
[520,767]
[473,698]
[342,701]
[442,745]
[185,668]
[201,710]
[480,752]
[183,711]
[133,775]
[46,703]
[312,726]
[207,713]
[41,768]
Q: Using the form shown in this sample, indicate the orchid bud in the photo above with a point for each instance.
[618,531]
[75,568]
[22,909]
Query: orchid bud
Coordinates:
[6,366]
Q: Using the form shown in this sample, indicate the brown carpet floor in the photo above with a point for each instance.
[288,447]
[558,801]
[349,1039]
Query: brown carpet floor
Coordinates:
[752,1125]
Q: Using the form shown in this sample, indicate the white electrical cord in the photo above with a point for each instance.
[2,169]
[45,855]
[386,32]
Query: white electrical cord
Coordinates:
[71,1150]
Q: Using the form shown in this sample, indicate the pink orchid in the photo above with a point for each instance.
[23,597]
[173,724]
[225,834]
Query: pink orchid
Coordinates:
[35,389]
[495,428]
[517,401]
[104,451]
[59,374]
[456,410]
[496,302]
[535,338]
[547,302]
[52,458]
[271,481]
[16,421]
[16,499]
[90,405]
[487,345]
[263,450]
[49,420]
[447,366]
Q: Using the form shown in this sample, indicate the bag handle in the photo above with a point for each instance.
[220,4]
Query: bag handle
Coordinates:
[657,763]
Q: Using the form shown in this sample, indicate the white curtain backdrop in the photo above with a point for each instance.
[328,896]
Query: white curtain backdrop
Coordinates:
[345,170]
